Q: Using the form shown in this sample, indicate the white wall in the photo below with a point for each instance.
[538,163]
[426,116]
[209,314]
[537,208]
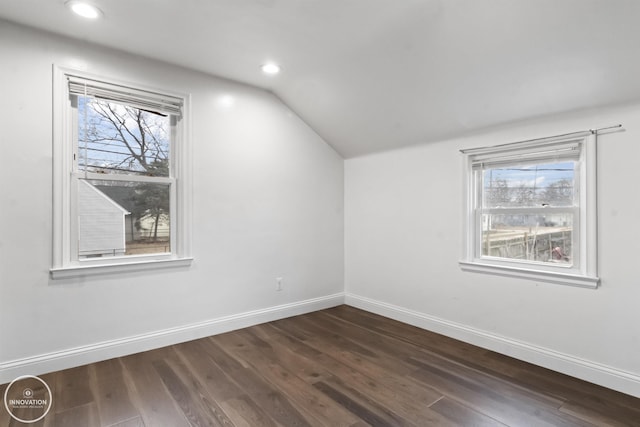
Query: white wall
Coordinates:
[403,240]
[268,202]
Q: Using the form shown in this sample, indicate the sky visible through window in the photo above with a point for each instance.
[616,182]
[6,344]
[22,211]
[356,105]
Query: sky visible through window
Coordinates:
[119,139]
[548,184]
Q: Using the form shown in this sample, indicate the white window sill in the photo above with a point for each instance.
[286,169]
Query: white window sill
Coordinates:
[539,275]
[98,269]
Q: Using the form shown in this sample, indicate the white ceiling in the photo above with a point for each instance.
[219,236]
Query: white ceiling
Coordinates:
[371,75]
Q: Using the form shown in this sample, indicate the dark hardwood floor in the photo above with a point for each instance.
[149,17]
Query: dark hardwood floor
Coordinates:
[336,367]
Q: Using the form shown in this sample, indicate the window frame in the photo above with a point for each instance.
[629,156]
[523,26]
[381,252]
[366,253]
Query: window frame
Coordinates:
[583,271]
[66,262]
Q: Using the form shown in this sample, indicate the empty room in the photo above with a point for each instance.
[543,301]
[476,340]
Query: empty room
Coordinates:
[319,213]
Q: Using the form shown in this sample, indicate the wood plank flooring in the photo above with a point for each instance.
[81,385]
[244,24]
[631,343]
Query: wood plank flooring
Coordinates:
[336,367]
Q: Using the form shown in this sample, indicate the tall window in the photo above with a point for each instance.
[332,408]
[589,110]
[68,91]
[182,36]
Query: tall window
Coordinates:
[119,165]
[531,210]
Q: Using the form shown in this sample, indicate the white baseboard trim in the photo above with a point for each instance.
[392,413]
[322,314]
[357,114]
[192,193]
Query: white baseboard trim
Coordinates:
[616,379]
[55,361]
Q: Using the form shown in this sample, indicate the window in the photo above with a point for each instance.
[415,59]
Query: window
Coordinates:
[120,177]
[531,210]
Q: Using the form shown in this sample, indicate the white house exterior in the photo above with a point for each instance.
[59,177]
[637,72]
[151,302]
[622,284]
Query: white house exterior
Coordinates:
[101,223]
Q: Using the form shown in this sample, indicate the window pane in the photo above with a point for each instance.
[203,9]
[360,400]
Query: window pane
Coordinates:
[118,139]
[123,218]
[535,185]
[543,238]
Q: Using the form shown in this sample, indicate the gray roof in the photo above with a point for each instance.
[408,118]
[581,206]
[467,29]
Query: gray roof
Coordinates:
[124,196]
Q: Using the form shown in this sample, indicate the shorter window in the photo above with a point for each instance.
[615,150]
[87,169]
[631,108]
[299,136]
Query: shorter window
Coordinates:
[530,210]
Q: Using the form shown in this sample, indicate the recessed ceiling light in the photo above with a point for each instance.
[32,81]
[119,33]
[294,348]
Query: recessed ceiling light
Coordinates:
[270,68]
[85,10]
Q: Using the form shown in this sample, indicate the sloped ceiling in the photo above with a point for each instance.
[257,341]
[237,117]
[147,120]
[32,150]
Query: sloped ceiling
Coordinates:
[372,75]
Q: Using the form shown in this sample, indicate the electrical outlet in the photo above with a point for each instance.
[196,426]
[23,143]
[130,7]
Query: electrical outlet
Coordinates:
[278,283]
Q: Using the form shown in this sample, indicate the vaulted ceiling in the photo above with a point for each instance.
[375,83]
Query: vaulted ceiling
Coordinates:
[371,75]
